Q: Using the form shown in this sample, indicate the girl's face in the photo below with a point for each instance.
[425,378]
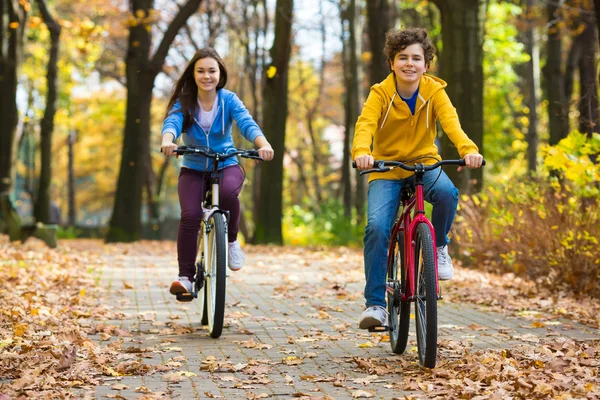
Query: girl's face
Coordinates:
[207,74]
[409,64]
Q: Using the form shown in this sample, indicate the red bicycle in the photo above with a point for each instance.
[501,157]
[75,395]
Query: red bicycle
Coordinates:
[412,266]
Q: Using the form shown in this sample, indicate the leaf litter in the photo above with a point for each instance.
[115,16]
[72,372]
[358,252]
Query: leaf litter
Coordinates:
[52,308]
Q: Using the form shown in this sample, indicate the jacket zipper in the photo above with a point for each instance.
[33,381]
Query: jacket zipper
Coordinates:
[209,129]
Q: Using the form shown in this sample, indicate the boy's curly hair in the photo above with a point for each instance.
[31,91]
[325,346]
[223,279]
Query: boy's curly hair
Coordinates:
[397,40]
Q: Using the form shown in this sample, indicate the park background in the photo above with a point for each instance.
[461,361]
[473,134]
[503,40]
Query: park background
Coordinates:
[84,85]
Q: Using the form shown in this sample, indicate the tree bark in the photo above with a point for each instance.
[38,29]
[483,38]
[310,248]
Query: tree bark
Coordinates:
[533,87]
[42,201]
[462,34]
[275,110]
[141,71]
[72,219]
[13,16]
[558,110]
[588,102]
[378,17]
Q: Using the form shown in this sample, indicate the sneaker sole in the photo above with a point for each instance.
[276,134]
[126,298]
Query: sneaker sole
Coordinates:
[177,288]
[369,322]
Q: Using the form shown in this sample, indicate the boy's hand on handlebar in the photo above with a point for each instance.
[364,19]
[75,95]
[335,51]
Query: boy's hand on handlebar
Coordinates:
[364,162]
[474,160]
[266,153]
[168,148]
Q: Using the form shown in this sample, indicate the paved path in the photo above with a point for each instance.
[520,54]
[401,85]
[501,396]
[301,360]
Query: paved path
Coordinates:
[290,331]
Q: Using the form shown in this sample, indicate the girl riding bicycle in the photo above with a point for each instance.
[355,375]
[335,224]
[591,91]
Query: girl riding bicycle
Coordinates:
[399,121]
[202,111]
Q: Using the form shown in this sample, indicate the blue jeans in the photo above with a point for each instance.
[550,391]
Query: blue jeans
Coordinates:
[383,203]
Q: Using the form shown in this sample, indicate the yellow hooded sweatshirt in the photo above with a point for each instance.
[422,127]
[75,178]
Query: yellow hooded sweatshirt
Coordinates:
[387,123]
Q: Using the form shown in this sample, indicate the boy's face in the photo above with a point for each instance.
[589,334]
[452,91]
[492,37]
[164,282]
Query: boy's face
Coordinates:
[409,64]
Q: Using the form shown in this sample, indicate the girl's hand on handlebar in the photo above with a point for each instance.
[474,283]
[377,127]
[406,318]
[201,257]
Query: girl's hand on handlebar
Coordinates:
[364,162]
[266,152]
[168,148]
[472,161]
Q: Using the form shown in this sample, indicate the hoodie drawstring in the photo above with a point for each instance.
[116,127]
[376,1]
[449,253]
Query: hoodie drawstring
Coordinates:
[387,112]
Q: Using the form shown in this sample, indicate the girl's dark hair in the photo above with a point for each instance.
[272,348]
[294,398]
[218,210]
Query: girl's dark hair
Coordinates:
[397,40]
[186,90]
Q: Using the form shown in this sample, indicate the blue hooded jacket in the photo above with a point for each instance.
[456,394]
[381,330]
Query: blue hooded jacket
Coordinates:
[219,138]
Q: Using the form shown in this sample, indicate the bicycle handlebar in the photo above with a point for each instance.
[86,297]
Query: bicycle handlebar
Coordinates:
[384,166]
[207,152]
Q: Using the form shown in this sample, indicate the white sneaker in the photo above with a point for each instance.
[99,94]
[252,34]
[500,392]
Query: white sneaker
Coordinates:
[181,285]
[445,267]
[236,256]
[373,316]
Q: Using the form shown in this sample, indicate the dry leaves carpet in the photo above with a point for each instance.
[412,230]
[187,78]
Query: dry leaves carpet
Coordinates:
[50,305]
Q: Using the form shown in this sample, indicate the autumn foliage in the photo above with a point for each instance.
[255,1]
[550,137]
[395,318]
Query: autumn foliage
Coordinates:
[548,230]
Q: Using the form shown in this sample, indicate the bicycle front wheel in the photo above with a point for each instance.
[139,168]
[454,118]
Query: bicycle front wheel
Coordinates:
[398,310]
[426,297]
[216,264]
[200,277]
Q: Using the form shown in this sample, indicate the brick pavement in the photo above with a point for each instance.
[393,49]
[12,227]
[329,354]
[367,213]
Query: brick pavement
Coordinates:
[285,309]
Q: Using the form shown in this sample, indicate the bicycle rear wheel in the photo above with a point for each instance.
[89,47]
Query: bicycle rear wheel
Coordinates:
[398,310]
[216,274]
[426,297]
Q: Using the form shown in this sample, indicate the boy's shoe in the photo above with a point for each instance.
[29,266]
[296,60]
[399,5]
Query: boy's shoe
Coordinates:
[445,267]
[236,256]
[181,285]
[372,317]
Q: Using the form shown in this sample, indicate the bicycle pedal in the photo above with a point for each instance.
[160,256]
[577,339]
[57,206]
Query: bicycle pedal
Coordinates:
[186,297]
[379,329]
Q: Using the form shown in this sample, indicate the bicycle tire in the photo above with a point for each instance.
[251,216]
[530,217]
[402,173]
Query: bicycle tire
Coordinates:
[200,280]
[398,310]
[216,263]
[426,297]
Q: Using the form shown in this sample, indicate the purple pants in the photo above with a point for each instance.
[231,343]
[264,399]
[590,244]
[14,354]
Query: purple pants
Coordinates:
[191,188]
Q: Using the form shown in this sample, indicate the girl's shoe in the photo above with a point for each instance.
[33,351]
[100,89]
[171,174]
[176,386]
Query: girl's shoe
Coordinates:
[181,285]
[236,256]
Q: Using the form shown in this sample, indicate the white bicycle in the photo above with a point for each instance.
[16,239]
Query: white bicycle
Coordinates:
[211,258]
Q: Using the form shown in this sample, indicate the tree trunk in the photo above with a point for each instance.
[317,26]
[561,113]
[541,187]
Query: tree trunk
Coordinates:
[42,201]
[588,102]
[462,34]
[275,110]
[378,16]
[346,171]
[533,87]
[72,212]
[558,110]
[140,71]
[12,32]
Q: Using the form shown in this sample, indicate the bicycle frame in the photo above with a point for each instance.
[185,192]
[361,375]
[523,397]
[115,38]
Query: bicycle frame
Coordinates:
[415,203]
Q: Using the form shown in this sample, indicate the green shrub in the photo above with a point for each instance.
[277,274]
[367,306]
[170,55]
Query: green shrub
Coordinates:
[546,229]
[69,232]
[329,226]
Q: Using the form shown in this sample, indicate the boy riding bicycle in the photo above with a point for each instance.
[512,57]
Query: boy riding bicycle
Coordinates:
[399,121]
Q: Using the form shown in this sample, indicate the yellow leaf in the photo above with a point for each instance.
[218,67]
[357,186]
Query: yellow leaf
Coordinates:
[82,292]
[13,25]
[538,324]
[35,311]
[271,71]
[140,13]
[111,372]
[19,329]
[365,345]
[186,373]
